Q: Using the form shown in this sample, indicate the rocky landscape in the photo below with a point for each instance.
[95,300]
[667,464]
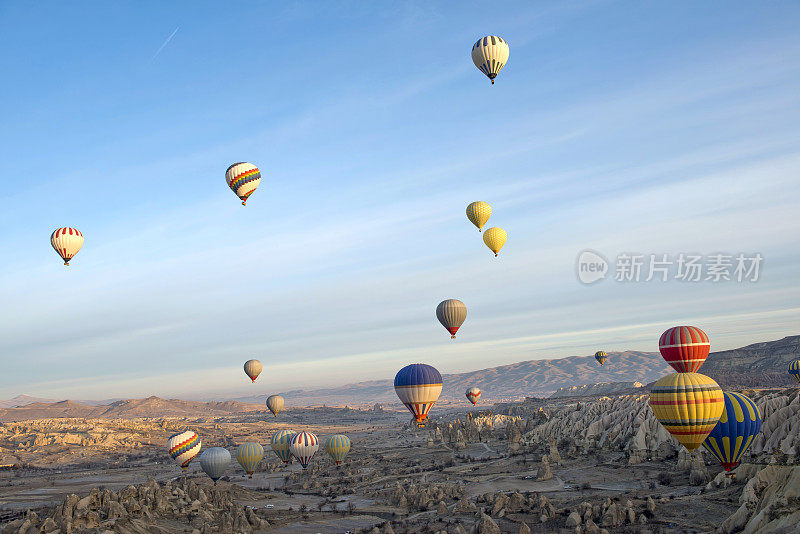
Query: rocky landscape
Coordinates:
[581,458]
[593,465]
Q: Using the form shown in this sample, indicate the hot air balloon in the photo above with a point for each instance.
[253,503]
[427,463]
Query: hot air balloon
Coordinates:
[495,238]
[183,447]
[275,404]
[243,178]
[737,427]
[794,369]
[214,462]
[478,213]
[338,446]
[66,242]
[252,368]
[490,55]
[688,405]
[249,455]
[418,385]
[473,394]
[280,444]
[601,356]
[303,446]
[685,348]
[451,313]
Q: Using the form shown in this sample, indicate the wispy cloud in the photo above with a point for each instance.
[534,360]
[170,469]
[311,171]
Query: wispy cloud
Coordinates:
[164,44]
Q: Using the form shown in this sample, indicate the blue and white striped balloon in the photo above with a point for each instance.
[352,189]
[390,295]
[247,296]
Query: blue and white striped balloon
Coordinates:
[418,386]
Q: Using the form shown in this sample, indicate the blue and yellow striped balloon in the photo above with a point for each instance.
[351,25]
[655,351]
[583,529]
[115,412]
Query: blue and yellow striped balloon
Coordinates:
[249,455]
[794,369]
[338,446]
[280,444]
[737,427]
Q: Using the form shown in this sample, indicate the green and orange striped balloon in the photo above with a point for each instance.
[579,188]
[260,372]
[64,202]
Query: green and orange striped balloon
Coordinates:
[688,405]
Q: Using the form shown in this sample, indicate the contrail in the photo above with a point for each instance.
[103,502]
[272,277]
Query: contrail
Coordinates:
[165,43]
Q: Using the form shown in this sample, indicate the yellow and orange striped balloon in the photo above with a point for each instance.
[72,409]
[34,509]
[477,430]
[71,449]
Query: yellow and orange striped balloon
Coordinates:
[688,405]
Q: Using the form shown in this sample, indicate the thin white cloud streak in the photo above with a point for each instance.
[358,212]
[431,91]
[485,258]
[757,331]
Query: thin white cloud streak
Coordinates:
[160,48]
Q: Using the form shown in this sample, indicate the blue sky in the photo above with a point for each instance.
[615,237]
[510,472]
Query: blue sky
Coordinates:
[616,126]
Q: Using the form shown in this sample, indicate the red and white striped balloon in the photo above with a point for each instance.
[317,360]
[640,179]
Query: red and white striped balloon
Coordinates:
[303,447]
[66,242]
[685,348]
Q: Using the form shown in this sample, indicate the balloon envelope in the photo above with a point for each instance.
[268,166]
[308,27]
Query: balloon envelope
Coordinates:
[688,405]
[451,313]
[275,404]
[338,446]
[478,213]
[66,242]
[601,356]
[685,348]
[252,368]
[183,447]
[794,369]
[303,446]
[418,386]
[473,394]
[280,444]
[738,425]
[243,178]
[215,461]
[249,455]
[495,238]
[490,55]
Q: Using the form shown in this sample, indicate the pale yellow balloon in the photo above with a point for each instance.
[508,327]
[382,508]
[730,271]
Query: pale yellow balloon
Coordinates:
[275,404]
[478,213]
[495,238]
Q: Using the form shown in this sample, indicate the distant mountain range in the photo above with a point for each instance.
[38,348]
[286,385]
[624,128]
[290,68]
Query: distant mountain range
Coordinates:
[24,400]
[127,409]
[758,365]
[504,383]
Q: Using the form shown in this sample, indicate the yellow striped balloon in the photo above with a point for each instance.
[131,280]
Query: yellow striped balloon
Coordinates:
[249,455]
[478,213]
[688,405]
[495,238]
[280,444]
[338,446]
